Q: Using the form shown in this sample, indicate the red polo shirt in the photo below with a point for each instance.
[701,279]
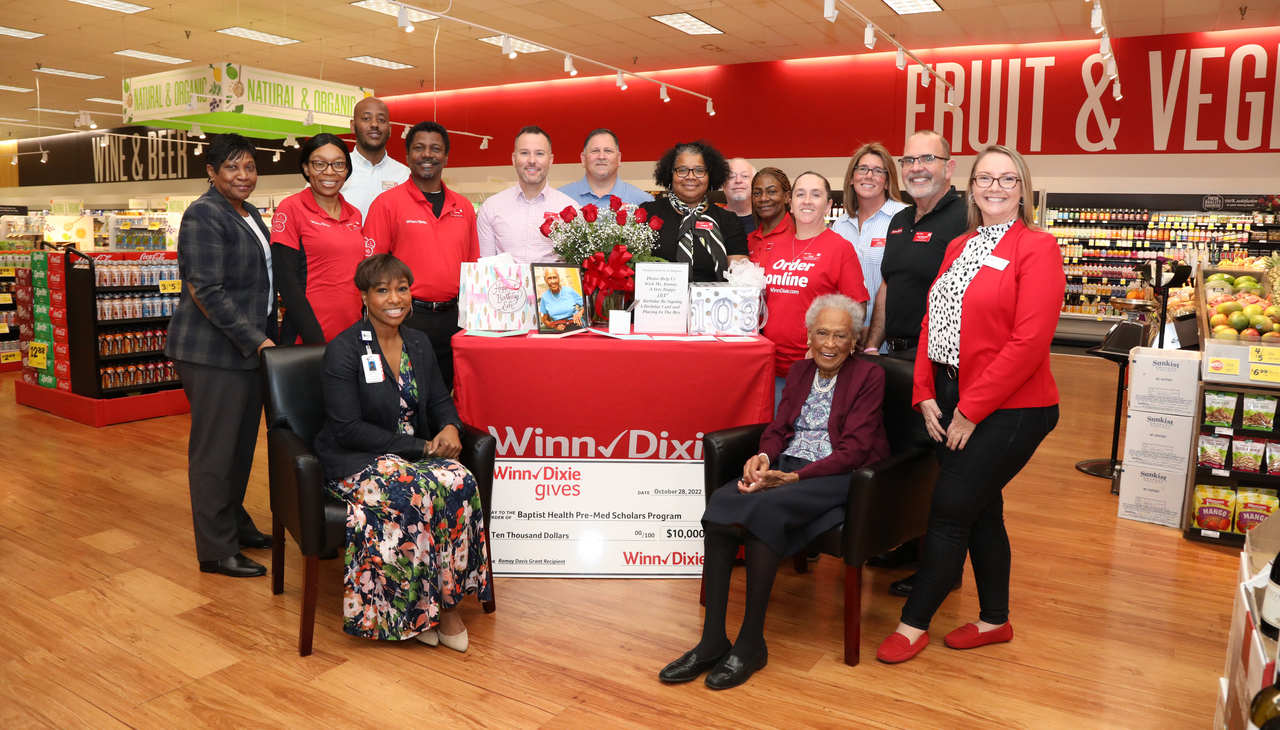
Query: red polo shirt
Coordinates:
[799,272]
[401,222]
[332,249]
[756,240]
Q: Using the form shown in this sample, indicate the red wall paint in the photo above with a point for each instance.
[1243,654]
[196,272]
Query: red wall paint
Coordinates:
[827,107]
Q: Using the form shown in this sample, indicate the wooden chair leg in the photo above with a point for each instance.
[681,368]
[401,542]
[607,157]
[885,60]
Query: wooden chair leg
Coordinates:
[801,561]
[702,592]
[307,621]
[489,606]
[852,613]
[277,554]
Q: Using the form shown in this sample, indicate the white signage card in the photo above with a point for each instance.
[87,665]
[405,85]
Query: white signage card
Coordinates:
[662,298]
[595,518]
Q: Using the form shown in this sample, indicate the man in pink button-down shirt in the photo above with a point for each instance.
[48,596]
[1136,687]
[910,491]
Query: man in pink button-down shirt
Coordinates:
[509,221]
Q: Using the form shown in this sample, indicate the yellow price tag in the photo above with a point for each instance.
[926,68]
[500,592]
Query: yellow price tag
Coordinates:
[171,286]
[153,226]
[37,355]
[1224,366]
[6,299]
[126,226]
[4,328]
[1268,355]
[1265,373]
[8,357]
[7,271]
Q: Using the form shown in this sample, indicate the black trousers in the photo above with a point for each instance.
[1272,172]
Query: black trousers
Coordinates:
[226,408]
[439,327]
[967,512]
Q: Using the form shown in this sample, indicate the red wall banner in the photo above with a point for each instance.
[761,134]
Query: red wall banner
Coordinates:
[1200,92]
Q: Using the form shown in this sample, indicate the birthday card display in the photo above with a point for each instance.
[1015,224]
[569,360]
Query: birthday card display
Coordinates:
[496,295]
[662,298]
[724,309]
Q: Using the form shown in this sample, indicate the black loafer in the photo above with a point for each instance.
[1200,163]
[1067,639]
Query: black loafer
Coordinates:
[688,667]
[256,541]
[236,566]
[733,671]
[903,587]
[899,557]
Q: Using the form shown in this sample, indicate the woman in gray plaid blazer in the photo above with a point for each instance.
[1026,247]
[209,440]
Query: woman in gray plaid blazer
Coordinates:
[226,315]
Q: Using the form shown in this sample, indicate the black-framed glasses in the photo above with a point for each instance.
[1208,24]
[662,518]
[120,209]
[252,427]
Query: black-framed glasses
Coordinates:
[698,172]
[320,165]
[1008,182]
[922,159]
[873,171]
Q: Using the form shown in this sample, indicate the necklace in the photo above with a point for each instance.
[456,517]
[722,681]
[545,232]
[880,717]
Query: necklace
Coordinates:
[806,247]
[823,388]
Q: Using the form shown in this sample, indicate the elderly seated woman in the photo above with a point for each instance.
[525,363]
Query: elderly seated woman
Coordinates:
[828,425]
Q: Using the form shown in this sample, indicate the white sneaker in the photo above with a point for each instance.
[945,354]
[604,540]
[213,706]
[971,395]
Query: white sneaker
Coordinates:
[430,638]
[457,642]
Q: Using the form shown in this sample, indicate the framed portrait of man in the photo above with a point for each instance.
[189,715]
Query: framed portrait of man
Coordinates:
[561,306]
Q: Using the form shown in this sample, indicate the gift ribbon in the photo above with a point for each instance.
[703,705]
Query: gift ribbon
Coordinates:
[604,276]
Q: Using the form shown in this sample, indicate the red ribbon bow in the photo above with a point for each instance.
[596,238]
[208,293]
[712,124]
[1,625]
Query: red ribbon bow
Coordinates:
[604,276]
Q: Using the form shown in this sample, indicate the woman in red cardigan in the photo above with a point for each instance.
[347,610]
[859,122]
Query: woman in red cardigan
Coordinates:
[982,382]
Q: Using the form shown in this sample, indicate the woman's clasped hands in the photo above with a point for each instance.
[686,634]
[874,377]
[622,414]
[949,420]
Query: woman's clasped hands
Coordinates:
[757,476]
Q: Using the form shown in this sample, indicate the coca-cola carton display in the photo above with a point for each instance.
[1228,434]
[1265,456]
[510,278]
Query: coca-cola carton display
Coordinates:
[63,384]
[57,280]
[60,334]
[58,315]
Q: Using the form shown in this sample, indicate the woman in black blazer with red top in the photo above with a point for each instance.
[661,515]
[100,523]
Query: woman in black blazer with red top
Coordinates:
[829,424]
[983,383]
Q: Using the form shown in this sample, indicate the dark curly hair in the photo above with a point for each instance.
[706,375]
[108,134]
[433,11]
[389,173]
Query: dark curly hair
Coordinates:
[717,166]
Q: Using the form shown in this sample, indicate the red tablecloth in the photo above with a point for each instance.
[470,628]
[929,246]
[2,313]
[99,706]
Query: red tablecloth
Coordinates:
[643,399]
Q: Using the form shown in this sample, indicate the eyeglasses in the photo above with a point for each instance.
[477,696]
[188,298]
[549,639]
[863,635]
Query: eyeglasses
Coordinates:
[698,172]
[873,171]
[1006,181]
[321,165]
[922,159]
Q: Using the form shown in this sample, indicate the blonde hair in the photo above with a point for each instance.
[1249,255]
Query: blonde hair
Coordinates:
[891,189]
[1024,179]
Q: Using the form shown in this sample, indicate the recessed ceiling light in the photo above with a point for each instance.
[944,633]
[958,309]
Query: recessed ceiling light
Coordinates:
[257,35]
[19,33]
[11,119]
[908,7]
[72,74]
[152,56]
[51,111]
[379,62]
[517,46]
[116,5]
[103,100]
[686,23]
[20,89]
[386,8]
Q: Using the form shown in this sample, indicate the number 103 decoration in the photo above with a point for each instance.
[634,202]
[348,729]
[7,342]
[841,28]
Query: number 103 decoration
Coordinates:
[724,309]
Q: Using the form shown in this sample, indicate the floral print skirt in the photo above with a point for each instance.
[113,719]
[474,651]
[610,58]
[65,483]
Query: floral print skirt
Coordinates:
[415,545]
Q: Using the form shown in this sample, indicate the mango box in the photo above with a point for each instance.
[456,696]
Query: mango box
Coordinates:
[1152,495]
[1158,441]
[1163,381]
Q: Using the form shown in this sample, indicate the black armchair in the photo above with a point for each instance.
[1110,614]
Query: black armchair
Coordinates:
[300,503]
[888,500]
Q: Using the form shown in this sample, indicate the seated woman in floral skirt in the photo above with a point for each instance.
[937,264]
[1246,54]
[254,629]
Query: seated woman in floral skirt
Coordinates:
[415,536]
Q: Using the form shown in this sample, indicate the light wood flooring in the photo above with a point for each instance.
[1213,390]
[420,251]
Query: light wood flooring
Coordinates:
[106,623]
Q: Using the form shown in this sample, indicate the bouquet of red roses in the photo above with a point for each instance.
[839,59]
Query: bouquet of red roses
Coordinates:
[575,236]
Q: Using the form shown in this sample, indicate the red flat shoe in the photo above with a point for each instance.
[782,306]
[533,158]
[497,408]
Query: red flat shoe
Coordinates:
[897,648]
[968,636]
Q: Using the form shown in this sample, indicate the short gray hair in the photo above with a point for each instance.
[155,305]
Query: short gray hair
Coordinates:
[839,302]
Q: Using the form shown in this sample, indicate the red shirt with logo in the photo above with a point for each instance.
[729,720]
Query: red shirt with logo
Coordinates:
[331,249]
[757,239]
[402,223]
[800,271]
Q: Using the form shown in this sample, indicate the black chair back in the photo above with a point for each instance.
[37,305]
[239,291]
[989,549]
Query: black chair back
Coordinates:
[903,424]
[291,391]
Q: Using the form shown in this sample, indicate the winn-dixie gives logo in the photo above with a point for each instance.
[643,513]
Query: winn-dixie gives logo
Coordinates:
[639,444]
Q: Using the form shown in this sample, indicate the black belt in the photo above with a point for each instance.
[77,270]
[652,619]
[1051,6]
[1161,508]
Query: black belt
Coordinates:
[901,345]
[435,306]
[950,370]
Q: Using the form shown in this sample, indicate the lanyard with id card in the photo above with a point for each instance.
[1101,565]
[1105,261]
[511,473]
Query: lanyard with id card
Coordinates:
[371,364]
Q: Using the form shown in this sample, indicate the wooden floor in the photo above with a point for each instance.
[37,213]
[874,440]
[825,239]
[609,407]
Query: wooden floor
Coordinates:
[105,621]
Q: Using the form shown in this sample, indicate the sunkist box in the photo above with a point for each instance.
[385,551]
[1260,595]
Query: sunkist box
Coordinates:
[1163,381]
[1158,440]
[1152,495]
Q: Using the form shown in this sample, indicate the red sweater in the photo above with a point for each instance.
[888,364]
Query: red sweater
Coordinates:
[1007,323]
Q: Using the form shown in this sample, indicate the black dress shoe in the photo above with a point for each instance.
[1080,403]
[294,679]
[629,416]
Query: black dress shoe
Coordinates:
[236,566]
[900,557]
[688,667]
[734,671]
[903,587]
[256,541]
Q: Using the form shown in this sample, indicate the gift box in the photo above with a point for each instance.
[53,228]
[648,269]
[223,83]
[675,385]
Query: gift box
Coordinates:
[724,309]
[497,297]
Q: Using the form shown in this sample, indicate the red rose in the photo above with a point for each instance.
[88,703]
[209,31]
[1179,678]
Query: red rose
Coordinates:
[590,213]
[615,203]
[641,215]
[622,217]
[655,223]
[569,213]
[545,229]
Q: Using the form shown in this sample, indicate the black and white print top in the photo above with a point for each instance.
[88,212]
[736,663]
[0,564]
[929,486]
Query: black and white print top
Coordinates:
[947,294]
[812,439]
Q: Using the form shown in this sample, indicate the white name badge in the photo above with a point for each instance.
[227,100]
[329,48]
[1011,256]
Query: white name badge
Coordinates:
[367,337]
[996,263]
[371,364]
[388,184]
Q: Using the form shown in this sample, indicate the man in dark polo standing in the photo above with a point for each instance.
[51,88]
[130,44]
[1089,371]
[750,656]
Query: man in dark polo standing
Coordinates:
[433,230]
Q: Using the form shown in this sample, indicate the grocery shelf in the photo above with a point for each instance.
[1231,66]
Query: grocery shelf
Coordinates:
[135,320]
[131,355]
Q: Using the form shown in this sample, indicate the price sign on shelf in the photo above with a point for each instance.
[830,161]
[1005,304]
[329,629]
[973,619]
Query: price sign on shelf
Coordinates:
[1264,373]
[7,271]
[37,355]
[8,357]
[1268,355]
[6,299]
[4,328]
[171,286]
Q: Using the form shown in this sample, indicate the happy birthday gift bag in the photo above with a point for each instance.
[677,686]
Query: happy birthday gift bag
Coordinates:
[497,297]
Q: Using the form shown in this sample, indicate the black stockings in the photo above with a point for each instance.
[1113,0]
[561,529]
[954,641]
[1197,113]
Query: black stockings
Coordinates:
[720,547]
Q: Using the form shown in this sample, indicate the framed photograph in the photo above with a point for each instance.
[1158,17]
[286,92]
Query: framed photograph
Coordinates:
[561,306]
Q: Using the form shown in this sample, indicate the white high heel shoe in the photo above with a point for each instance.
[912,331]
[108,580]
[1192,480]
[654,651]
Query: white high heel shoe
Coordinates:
[457,642]
[430,638]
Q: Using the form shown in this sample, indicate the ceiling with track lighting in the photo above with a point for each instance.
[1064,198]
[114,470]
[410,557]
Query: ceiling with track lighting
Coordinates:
[340,41]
